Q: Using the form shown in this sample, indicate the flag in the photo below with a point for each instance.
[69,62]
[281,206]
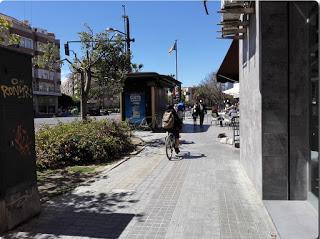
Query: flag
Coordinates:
[173,48]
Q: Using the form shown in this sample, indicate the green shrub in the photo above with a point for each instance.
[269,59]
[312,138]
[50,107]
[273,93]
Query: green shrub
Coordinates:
[81,143]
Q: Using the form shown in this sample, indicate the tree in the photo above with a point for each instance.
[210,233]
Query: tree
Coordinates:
[7,38]
[103,60]
[210,91]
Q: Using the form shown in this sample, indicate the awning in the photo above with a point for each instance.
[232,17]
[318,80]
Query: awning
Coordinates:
[235,91]
[229,69]
[164,80]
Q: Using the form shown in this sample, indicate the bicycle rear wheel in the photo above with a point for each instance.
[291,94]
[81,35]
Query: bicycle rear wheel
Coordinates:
[169,147]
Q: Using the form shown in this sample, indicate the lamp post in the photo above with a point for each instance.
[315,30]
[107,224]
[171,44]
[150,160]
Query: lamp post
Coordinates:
[126,34]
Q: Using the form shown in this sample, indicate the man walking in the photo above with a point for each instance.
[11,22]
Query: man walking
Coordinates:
[195,113]
[202,111]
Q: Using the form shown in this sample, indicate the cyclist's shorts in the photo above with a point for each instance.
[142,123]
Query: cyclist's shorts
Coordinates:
[175,132]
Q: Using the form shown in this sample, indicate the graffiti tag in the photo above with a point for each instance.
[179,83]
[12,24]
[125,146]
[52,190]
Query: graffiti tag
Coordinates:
[22,141]
[16,89]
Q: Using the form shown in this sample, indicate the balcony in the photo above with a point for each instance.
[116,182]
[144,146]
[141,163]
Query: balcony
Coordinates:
[46,91]
[44,74]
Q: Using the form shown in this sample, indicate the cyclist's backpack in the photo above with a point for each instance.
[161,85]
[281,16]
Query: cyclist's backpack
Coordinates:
[167,120]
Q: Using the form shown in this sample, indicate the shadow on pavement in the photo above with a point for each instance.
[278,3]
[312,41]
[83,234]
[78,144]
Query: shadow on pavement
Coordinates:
[186,142]
[93,225]
[81,216]
[189,155]
[156,143]
[190,128]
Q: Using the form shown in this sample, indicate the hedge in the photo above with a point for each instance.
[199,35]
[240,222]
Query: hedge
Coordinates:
[81,143]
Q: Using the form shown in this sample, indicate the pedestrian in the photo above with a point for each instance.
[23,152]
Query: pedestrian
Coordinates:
[195,113]
[180,111]
[202,111]
[215,114]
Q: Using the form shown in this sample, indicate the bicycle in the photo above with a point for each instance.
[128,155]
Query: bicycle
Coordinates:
[170,145]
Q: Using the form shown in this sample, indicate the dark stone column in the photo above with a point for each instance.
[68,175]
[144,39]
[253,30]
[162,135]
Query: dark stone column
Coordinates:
[274,82]
[299,100]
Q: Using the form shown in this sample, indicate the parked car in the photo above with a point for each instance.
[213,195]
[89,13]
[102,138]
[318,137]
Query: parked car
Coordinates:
[94,112]
[74,111]
[104,112]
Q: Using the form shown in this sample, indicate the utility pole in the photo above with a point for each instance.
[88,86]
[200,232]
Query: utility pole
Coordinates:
[124,24]
[126,35]
[126,29]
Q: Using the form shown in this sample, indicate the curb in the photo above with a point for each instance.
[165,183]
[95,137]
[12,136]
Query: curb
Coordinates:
[134,153]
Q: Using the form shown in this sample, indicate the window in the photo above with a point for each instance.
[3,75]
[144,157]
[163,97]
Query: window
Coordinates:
[46,87]
[26,43]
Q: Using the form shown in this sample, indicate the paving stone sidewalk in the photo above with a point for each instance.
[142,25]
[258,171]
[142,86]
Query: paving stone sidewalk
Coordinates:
[203,194]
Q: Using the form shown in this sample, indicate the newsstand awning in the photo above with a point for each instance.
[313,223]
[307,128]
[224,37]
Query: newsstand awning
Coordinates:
[229,69]
[153,78]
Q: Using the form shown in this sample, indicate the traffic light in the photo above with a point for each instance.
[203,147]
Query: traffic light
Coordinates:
[66,49]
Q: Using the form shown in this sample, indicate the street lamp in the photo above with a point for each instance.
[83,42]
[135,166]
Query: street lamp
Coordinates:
[126,33]
[110,29]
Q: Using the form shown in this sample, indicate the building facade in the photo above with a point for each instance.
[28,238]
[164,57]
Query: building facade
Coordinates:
[187,92]
[278,71]
[279,99]
[45,83]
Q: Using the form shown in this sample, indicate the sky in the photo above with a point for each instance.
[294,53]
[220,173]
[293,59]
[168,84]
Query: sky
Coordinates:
[155,25]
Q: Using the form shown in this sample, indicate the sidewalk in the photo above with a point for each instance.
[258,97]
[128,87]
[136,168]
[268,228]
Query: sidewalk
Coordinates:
[206,194]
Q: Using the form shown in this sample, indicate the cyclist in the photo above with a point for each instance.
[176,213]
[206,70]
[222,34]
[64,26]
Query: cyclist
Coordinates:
[177,125]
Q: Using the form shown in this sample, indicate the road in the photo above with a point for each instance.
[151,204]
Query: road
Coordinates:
[53,121]
[205,194]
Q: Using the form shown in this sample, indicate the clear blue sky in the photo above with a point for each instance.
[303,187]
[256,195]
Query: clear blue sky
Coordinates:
[154,25]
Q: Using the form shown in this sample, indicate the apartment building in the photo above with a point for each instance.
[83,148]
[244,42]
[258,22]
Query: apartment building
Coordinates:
[45,83]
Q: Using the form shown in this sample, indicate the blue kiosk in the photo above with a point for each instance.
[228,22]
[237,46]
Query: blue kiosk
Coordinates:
[145,96]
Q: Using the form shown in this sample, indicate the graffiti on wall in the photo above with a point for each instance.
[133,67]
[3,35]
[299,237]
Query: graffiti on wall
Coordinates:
[16,89]
[22,140]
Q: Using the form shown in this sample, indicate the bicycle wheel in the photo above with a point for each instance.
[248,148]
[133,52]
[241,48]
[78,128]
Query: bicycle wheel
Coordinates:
[169,147]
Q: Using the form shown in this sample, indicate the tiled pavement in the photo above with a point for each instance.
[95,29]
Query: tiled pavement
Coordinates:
[205,194]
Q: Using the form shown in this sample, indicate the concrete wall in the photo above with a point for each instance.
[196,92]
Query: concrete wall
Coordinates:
[250,103]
